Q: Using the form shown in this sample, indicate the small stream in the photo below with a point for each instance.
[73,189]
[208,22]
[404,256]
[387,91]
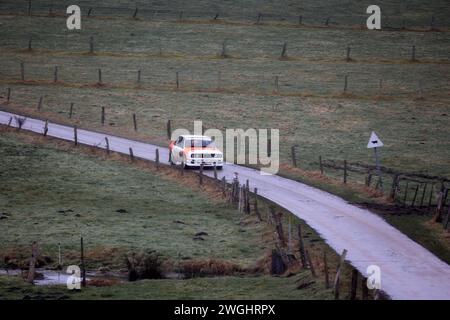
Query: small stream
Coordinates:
[59,277]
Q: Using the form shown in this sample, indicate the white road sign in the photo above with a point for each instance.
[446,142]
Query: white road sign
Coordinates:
[374,141]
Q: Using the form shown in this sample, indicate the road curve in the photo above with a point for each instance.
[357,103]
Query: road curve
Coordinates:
[408,271]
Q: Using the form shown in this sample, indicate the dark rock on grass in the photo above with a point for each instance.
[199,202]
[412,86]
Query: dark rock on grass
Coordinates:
[78,215]
[198,238]
[305,285]
[121,211]
[65,211]
[178,221]
[4,215]
[201,233]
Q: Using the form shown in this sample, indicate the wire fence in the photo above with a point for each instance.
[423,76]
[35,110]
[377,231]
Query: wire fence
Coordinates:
[306,15]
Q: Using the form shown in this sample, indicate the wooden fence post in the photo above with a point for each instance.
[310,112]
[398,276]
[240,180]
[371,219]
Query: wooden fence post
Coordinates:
[107,145]
[177,81]
[83,266]
[439,206]
[354,284]
[415,196]
[8,95]
[59,256]
[89,12]
[34,256]
[258,18]
[169,129]
[338,274]
[139,76]
[327,277]
[22,71]
[423,194]
[75,135]
[223,54]
[99,75]
[71,110]
[283,51]
[294,160]
[157,158]
[431,196]
[258,214]
[91,43]
[247,197]
[406,194]
[394,187]
[55,74]
[224,186]
[29,8]
[30,40]
[345,171]
[131,154]
[45,128]
[348,59]
[310,263]
[369,179]
[276,89]
[10,120]
[269,147]
[447,219]
[200,175]
[215,172]
[301,246]
[102,119]
[345,83]
[134,122]
[321,165]
[39,106]
[279,227]
[413,53]
[135,13]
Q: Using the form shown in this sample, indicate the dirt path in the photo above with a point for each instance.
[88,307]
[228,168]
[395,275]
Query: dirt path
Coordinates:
[408,271]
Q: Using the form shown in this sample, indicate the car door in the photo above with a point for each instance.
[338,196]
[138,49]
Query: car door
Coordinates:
[177,150]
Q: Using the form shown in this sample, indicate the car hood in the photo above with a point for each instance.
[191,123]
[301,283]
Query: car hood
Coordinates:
[200,150]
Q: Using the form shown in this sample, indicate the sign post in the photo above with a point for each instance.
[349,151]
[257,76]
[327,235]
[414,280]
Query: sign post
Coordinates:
[375,143]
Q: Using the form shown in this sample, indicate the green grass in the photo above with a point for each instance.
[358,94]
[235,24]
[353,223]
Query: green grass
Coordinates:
[353,12]
[264,287]
[322,124]
[39,181]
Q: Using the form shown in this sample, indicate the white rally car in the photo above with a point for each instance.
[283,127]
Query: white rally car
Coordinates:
[194,150]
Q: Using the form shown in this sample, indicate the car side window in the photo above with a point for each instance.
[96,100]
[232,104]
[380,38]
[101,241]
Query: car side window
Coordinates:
[180,142]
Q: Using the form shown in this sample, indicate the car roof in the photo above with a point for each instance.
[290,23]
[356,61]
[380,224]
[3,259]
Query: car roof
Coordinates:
[194,137]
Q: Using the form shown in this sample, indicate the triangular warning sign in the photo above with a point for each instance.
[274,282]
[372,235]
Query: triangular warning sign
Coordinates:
[374,141]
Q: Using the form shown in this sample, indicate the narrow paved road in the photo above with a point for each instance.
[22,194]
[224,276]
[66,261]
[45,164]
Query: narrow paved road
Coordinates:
[408,271]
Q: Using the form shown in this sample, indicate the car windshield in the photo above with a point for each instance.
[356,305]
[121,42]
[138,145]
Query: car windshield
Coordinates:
[200,143]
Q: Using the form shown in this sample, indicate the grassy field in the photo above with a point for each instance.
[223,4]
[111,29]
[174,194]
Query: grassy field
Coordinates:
[263,288]
[69,196]
[396,13]
[308,108]
[77,191]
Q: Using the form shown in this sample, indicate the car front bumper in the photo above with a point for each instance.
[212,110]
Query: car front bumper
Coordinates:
[205,162]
